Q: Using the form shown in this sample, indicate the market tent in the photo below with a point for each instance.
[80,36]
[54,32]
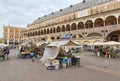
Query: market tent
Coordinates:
[3,45]
[97,44]
[112,43]
[63,43]
[41,43]
[25,44]
[51,53]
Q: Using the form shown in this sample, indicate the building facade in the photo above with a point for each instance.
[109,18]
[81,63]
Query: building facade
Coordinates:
[87,22]
[1,40]
[12,35]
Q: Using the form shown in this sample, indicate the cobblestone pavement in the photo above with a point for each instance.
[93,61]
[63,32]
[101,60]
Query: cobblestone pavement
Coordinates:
[25,70]
[89,58]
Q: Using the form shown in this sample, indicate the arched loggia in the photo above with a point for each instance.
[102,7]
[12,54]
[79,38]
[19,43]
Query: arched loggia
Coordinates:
[67,27]
[110,20]
[89,24]
[119,20]
[63,28]
[99,22]
[58,29]
[80,25]
[73,26]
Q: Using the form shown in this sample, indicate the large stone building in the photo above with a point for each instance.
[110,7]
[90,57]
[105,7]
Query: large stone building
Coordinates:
[12,34]
[87,22]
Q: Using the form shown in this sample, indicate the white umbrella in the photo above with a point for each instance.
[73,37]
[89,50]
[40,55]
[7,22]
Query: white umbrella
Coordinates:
[3,45]
[96,44]
[112,43]
[41,43]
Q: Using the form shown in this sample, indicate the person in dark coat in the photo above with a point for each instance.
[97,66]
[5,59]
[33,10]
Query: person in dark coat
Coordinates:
[35,52]
[7,52]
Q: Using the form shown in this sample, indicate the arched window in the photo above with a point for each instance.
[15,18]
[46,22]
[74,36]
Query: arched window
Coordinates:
[35,33]
[89,24]
[58,29]
[68,27]
[44,31]
[80,25]
[41,32]
[110,20]
[99,22]
[48,31]
[119,20]
[38,32]
[73,26]
[63,28]
[54,30]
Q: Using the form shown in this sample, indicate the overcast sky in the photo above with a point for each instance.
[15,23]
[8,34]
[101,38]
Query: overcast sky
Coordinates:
[22,12]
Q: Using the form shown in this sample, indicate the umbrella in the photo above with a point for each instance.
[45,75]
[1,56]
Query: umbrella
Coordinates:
[112,43]
[3,45]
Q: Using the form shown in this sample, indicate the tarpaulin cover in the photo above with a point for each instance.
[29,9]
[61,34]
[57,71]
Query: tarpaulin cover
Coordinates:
[49,54]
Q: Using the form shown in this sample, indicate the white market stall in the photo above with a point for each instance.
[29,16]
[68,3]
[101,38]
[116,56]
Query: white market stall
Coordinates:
[52,50]
[3,45]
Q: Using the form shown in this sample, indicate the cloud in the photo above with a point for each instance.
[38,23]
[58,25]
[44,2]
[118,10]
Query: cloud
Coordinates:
[22,12]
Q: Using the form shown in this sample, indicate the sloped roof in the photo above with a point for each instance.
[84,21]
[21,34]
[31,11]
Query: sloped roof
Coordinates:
[70,9]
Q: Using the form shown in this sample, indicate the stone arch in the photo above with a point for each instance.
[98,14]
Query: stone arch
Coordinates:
[42,32]
[89,24]
[110,20]
[51,30]
[58,29]
[67,27]
[58,37]
[119,20]
[28,34]
[113,36]
[77,36]
[86,42]
[35,33]
[94,35]
[38,32]
[43,39]
[80,25]
[99,22]
[54,30]
[45,31]
[48,31]
[53,38]
[73,26]
[63,28]
[96,41]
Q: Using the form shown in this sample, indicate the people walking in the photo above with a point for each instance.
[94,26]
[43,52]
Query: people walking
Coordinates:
[7,52]
[34,54]
[69,56]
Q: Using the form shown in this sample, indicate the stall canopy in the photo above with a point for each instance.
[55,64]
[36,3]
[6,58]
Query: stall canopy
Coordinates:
[64,43]
[96,44]
[51,53]
[3,45]
[105,44]
[41,43]
[112,43]
[53,50]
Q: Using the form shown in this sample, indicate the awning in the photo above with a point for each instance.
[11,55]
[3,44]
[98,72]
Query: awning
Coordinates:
[3,45]
[63,43]
[41,43]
